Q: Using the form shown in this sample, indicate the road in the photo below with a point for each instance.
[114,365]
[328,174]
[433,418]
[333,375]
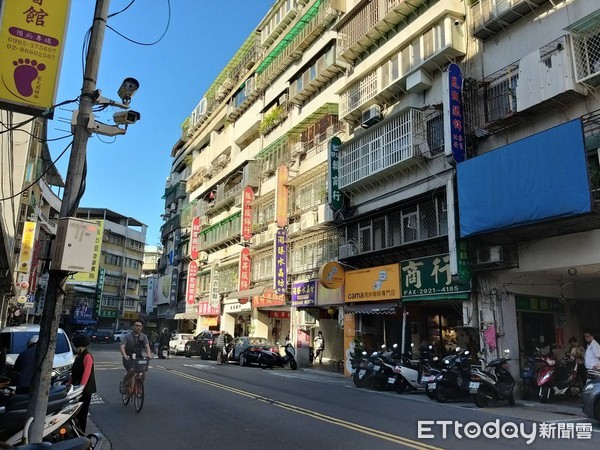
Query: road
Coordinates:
[196,404]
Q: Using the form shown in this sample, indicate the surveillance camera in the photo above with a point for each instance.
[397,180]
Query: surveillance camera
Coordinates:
[127,89]
[458,22]
[126,117]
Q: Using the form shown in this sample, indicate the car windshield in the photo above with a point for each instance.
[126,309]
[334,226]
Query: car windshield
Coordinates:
[257,341]
[19,342]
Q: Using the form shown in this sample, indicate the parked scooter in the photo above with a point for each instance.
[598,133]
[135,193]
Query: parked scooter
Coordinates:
[270,359]
[557,379]
[90,442]
[59,424]
[495,383]
[453,381]
[529,376]
[415,373]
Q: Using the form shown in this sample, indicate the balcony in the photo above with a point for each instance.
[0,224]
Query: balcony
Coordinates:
[222,234]
[391,146]
[403,71]
[362,28]
[175,192]
[585,41]
[290,48]
[488,17]
[525,88]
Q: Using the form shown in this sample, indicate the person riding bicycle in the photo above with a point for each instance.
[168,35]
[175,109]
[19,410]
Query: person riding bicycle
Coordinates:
[132,346]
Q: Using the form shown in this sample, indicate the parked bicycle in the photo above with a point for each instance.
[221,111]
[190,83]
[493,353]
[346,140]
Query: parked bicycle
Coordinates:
[137,392]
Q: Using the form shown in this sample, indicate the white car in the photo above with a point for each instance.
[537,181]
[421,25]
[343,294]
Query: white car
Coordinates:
[177,342]
[119,335]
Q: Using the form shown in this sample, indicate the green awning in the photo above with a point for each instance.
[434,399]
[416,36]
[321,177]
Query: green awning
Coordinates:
[221,223]
[462,296]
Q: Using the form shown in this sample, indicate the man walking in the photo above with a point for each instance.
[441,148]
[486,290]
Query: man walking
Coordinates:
[220,343]
[319,346]
[163,343]
[592,352]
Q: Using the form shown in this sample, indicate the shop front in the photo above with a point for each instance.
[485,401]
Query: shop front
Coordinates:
[236,317]
[208,317]
[272,311]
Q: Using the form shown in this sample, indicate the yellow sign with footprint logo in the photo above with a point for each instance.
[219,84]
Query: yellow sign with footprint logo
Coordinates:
[32,34]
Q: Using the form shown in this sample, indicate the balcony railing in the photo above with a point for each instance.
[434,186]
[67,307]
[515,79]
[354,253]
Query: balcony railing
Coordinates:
[386,147]
[491,16]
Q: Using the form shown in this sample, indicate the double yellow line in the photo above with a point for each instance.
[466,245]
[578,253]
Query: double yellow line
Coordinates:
[315,415]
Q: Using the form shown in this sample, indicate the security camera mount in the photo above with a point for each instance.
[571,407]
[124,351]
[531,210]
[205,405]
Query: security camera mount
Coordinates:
[99,100]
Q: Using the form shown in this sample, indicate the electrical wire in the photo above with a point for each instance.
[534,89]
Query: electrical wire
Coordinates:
[123,10]
[143,43]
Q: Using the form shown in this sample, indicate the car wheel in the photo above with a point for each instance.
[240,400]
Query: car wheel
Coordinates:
[480,400]
[243,361]
[293,364]
[187,353]
[440,395]
[204,354]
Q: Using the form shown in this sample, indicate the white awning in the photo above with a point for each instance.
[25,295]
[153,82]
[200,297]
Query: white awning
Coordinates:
[188,315]
[248,293]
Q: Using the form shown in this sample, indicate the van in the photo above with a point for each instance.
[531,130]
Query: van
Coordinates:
[14,340]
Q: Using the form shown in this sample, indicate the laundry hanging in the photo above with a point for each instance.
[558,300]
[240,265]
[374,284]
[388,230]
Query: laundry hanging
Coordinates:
[489,337]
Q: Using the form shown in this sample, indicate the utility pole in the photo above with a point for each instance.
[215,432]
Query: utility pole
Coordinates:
[74,185]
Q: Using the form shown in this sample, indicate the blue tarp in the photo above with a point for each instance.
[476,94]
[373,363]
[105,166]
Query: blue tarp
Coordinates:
[538,178]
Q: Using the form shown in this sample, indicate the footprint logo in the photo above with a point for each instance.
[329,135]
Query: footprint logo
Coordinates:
[26,71]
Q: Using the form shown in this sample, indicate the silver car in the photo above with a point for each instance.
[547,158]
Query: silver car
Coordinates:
[591,396]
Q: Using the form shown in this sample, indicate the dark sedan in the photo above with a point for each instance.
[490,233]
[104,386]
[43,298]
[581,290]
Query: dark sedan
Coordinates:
[105,337]
[203,345]
[246,349]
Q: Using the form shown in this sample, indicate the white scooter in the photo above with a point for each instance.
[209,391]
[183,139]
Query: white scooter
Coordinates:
[59,423]
[415,373]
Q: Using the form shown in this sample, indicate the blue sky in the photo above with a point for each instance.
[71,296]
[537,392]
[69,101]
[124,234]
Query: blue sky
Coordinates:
[127,174]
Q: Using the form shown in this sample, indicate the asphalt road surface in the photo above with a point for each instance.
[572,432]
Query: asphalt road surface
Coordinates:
[196,404]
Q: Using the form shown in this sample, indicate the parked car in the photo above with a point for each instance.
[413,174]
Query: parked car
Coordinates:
[246,349]
[203,344]
[119,334]
[591,397]
[13,340]
[105,337]
[177,342]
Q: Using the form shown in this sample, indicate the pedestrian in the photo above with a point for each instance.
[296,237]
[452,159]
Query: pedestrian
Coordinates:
[592,352]
[25,366]
[220,343]
[153,340]
[163,343]
[319,344]
[576,353]
[82,374]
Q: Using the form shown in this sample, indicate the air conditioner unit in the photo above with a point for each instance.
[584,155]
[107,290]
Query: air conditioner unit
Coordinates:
[202,256]
[256,239]
[489,255]
[346,251]
[283,100]
[298,149]
[293,227]
[269,235]
[308,219]
[371,116]
[307,318]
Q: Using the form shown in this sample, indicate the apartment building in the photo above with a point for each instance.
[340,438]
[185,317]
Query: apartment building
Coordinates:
[380,144]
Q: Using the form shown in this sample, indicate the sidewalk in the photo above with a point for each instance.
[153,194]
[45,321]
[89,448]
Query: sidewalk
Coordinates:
[93,428]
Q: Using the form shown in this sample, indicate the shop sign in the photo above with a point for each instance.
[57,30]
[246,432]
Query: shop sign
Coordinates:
[190,290]
[279,314]
[108,313]
[268,298]
[281,196]
[234,308]
[194,238]
[304,293]
[27,241]
[539,304]
[210,322]
[32,36]
[247,199]
[373,284]
[92,275]
[205,309]
[331,275]
[245,269]
[422,277]
[280,261]
[334,195]
[215,297]
[174,286]
[130,315]
[454,107]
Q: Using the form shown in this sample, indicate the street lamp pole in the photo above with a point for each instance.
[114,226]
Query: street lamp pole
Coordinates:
[74,186]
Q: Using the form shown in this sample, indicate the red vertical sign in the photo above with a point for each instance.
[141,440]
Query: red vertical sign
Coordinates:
[245,269]
[247,199]
[191,282]
[194,241]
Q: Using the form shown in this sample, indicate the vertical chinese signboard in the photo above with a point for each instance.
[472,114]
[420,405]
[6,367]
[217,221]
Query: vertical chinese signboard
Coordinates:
[281,196]
[215,297]
[280,261]
[31,47]
[454,135]
[334,196]
[190,290]
[247,199]
[244,270]
[174,290]
[27,242]
[194,238]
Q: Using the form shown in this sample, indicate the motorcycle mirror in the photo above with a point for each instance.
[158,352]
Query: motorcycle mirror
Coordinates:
[412,344]
[457,349]
[395,346]
[507,351]
[446,361]
[435,358]
[383,346]
[364,353]
[431,347]
[466,353]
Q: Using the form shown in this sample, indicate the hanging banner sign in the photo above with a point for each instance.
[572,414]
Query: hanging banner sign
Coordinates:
[247,199]
[281,196]
[280,261]
[453,115]
[191,282]
[244,270]
[334,195]
[27,242]
[194,239]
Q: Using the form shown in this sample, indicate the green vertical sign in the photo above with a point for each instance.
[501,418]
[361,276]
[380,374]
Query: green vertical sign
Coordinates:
[334,196]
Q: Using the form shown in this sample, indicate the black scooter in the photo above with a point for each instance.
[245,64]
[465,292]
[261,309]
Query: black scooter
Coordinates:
[269,359]
[453,381]
[495,383]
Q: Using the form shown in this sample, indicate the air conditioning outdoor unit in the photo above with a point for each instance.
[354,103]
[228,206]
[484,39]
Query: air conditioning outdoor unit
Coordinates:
[346,251]
[489,255]
[283,99]
[298,149]
[371,116]
[202,256]
[293,227]
[308,219]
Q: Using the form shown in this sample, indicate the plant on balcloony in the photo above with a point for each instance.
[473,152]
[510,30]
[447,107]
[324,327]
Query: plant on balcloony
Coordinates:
[358,347]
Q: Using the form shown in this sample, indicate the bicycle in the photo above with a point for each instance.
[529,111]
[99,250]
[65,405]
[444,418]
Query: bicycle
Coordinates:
[137,393]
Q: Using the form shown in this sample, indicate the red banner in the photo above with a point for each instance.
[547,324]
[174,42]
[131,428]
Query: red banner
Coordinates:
[245,270]
[279,314]
[268,298]
[190,291]
[194,238]
[204,309]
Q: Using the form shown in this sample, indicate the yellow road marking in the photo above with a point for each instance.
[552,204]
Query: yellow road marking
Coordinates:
[307,412]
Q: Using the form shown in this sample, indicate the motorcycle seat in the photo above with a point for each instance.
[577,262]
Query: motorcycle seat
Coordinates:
[81,442]
[56,393]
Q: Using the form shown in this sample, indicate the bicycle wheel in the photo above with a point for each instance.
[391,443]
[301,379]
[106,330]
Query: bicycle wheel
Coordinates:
[125,398]
[138,394]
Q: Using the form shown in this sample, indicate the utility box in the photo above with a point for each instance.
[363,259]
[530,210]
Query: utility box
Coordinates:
[73,247]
